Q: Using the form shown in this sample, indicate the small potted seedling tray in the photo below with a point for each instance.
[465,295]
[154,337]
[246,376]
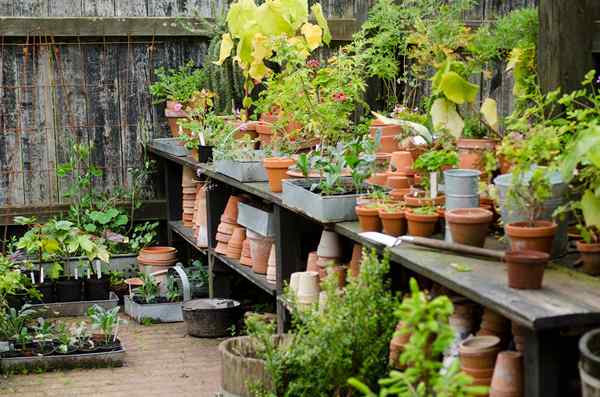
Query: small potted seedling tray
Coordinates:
[75,309]
[113,358]
[325,209]
[257,220]
[157,312]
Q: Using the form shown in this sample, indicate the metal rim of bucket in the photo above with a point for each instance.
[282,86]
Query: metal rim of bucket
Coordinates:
[461,173]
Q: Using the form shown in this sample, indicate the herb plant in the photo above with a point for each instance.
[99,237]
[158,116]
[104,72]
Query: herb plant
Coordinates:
[107,320]
[179,84]
[149,291]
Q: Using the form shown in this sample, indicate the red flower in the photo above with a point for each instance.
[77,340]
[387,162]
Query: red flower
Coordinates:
[313,63]
[339,97]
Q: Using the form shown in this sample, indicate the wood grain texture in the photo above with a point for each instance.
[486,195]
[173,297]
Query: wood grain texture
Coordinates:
[98,8]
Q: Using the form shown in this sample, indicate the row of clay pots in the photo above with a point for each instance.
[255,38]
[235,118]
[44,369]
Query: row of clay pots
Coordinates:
[227,226]
[188,185]
[200,220]
[396,222]
[478,358]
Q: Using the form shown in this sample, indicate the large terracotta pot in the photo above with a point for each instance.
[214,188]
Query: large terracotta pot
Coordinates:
[469,226]
[471,151]
[420,225]
[590,253]
[479,352]
[368,218]
[526,268]
[508,375]
[401,160]
[277,168]
[388,143]
[394,223]
[538,237]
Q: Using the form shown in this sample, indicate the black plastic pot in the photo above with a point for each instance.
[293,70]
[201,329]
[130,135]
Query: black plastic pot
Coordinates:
[68,290]
[47,290]
[96,289]
[205,154]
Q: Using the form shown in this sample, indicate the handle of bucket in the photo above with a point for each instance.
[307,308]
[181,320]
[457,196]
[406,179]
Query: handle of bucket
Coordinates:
[185,282]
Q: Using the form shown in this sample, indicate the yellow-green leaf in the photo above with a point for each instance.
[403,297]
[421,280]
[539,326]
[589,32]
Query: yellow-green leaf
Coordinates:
[312,34]
[457,89]
[226,47]
[296,12]
[445,116]
[270,16]
[240,13]
[489,111]
[260,47]
[590,206]
[258,71]
[317,12]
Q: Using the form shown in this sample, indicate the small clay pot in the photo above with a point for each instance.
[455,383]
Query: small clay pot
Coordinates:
[260,248]
[508,375]
[158,253]
[590,253]
[277,168]
[479,373]
[538,237]
[356,260]
[396,182]
[416,201]
[330,245]
[236,243]
[231,210]
[379,179]
[388,142]
[469,226]
[526,268]
[368,218]
[479,352]
[420,225]
[394,223]
[401,160]
[312,264]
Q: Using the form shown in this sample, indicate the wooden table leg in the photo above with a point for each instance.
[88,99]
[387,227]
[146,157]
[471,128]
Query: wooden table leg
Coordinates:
[542,358]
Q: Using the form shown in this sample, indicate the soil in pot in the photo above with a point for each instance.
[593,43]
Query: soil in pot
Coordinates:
[102,345]
[420,225]
[394,223]
[277,168]
[68,290]
[47,291]
[590,254]
[368,217]
[96,289]
[531,237]
[526,268]
[469,226]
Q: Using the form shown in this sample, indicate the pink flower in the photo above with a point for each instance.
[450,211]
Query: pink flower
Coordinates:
[339,97]
[313,63]
[177,107]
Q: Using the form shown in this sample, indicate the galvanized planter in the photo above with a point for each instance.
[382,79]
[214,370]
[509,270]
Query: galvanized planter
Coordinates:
[75,309]
[257,220]
[170,145]
[67,361]
[325,209]
[243,171]
[162,312]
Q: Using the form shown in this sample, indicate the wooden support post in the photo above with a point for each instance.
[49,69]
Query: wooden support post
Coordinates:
[565,42]
[173,175]
[542,364]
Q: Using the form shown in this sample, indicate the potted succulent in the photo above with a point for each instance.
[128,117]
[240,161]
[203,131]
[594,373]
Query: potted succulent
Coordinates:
[176,87]
[421,221]
[393,218]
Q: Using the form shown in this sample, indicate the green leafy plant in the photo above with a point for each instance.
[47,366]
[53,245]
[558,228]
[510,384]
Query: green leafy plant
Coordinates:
[66,341]
[13,281]
[178,85]
[13,321]
[144,235]
[173,291]
[434,161]
[149,291]
[106,320]
[198,274]
[427,210]
[430,336]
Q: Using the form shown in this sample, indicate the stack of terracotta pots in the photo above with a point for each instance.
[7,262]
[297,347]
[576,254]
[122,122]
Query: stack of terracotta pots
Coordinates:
[272,265]
[388,142]
[478,358]
[188,184]
[463,318]
[200,220]
[329,251]
[312,263]
[368,218]
[260,250]
[356,260]
[518,332]
[400,187]
[495,324]
[235,244]
[152,259]
[227,225]
[507,380]
[246,258]
[400,339]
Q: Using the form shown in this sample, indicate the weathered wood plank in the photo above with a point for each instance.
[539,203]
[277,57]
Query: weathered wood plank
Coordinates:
[99,8]
[128,8]
[6,7]
[65,8]
[168,55]
[30,8]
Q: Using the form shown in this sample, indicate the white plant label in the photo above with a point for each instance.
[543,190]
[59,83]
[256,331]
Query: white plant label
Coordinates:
[76,274]
[32,278]
[42,275]
[88,273]
[433,182]
[202,140]
[98,270]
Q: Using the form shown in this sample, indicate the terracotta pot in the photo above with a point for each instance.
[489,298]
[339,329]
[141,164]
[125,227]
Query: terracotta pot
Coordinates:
[312,264]
[276,171]
[236,243]
[485,373]
[469,226]
[408,174]
[246,258]
[272,265]
[223,238]
[538,237]
[379,179]
[356,260]
[590,253]
[159,253]
[420,225]
[221,248]
[397,344]
[369,219]
[226,228]
[479,352]
[388,143]
[401,160]
[340,272]
[307,287]
[508,375]
[330,245]
[394,223]
[419,201]
[231,210]
[260,248]
[382,161]
[471,151]
[526,268]
[396,182]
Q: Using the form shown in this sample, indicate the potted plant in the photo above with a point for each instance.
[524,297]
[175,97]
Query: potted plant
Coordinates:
[108,322]
[238,159]
[203,125]
[66,342]
[430,164]
[278,161]
[176,87]
[43,338]
[97,283]
[393,218]
[368,217]
[421,221]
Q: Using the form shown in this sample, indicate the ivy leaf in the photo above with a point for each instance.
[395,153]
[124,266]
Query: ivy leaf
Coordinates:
[445,116]
[226,47]
[489,111]
[590,206]
[317,12]
[457,89]
[312,34]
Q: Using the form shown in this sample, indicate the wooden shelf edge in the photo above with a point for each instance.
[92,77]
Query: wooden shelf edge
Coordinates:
[186,233]
[256,279]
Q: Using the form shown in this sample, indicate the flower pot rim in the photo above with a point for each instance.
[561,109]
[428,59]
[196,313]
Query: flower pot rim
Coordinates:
[588,247]
[278,162]
[526,256]
[541,228]
[476,143]
[366,211]
[411,216]
[469,215]
[489,343]
[398,214]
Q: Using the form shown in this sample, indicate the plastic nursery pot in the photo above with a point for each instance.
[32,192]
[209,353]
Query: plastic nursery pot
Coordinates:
[508,375]
[277,168]
[526,268]
[205,154]
[96,289]
[590,253]
[420,225]
[368,218]
[469,226]
[46,289]
[68,290]
[394,223]
[479,352]
[536,237]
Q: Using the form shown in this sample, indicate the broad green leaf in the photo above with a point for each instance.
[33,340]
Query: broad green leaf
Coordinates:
[240,13]
[258,71]
[50,246]
[317,12]
[63,225]
[418,128]
[90,228]
[226,47]
[85,243]
[270,17]
[445,116]
[457,89]
[312,34]
[590,206]
[121,220]
[489,110]
[297,12]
